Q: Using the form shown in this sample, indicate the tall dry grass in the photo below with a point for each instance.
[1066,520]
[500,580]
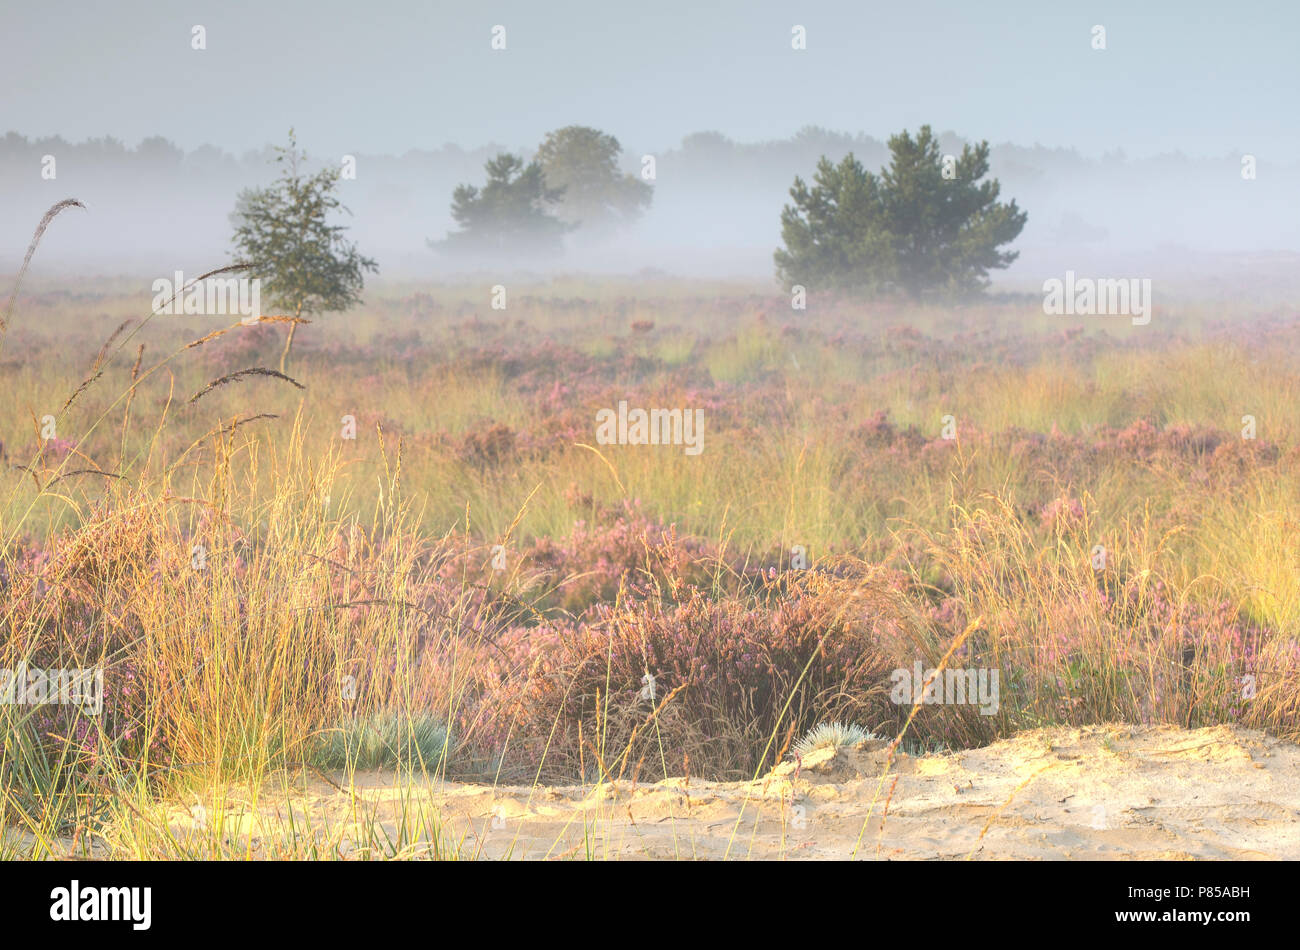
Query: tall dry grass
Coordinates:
[259,590]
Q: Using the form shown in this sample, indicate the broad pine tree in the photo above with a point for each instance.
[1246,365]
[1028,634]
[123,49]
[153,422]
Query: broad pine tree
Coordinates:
[926,225]
[512,214]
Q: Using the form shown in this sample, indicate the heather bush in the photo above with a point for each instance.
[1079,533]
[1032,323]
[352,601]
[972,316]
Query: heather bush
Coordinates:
[713,687]
[618,552]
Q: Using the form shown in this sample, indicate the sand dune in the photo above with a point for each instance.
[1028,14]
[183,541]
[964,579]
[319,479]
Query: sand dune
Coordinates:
[1101,792]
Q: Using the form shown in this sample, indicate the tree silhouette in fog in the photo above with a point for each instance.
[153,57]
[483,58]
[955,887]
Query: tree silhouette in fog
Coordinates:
[512,214]
[926,225]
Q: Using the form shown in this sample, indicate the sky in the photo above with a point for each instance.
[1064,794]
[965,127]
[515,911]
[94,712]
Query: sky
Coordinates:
[385,76]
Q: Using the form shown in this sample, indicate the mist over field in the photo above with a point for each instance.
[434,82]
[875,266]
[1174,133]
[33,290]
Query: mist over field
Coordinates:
[1126,157]
[151,207]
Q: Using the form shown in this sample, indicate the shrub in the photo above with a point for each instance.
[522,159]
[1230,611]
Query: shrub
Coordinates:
[382,740]
[733,681]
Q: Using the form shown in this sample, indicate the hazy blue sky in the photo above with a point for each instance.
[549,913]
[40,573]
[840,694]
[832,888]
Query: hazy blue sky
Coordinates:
[383,76]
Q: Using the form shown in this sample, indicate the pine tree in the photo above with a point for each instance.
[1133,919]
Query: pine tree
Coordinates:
[912,228]
[511,214]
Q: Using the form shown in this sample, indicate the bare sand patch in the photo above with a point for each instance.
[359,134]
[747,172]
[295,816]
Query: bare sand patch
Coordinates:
[1098,792]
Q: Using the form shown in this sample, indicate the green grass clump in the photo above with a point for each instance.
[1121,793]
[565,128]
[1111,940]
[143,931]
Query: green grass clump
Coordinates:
[382,740]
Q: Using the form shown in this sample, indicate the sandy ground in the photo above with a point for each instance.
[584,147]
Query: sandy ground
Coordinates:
[1109,792]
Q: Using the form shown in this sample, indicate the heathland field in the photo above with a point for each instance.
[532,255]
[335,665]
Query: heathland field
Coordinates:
[416,549]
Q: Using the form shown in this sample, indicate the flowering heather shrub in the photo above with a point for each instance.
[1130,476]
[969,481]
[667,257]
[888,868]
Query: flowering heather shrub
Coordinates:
[243,347]
[732,682]
[528,691]
[619,548]
[243,658]
[879,432]
[56,450]
[1069,458]
[488,447]
[495,445]
[1241,457]
[72,606]
[1062,513]
[1078,645]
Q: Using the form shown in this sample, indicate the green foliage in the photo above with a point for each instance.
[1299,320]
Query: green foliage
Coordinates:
[584,163]
[834,234]
[908,229]
[382,740]
[510,214]
[306,263]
